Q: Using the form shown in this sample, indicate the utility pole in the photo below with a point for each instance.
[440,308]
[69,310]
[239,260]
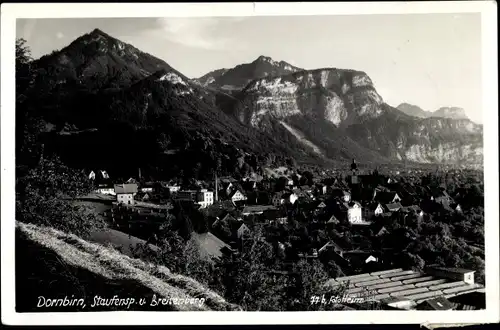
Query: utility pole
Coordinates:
[216,188]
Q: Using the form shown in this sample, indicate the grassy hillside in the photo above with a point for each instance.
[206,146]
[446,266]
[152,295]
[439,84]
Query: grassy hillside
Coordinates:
[54,264]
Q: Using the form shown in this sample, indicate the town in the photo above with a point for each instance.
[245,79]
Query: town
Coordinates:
[359,224]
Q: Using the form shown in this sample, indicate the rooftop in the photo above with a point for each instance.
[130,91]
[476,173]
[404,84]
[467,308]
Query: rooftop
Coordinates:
[385,286]
[126,188]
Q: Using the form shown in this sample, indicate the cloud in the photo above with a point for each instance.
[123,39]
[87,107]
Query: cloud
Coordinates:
[202,32]
[59,35]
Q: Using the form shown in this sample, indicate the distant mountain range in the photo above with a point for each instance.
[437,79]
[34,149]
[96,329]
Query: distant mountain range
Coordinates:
[443,112]
[144,113]
[238,77]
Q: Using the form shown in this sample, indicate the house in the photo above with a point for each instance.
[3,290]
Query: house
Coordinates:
[131,180]
[186,195]
[242,231]
[306,189]
[458,274]
[91,175]
[201,197]
[322,189]
[332,221]
[276,200]
[341,194]
[354,212]
[435,304]
[331,246]
[211,247]
[237,196]
[440,196]
[380,230]
[256,209]
[393,207]
[125,193]
[386,197]
[456,207]
[359,258]
[320,205]
[173,188]
[413,209]
[106,189]
[377,209]
[289,198]
[249,184]
[205,198]
[226,220]
[147,187]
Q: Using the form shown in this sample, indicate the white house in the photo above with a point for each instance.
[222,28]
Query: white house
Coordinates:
[125,193]
[236,195]
[289,198]
[354,212]
[104,174]
[242,231]
[173,188]
[105,190]
[205,198]
[346,197]
[91,175]
[379,210]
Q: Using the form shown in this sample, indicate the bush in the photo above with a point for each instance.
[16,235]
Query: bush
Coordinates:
[46,196]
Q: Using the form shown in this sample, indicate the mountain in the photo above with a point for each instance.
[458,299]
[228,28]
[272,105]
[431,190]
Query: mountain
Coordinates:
[413,110]
[159,121]
[129,109]
[210,77]
[443,112]
[450,112]
[339,114]
[238,77]
[101,61]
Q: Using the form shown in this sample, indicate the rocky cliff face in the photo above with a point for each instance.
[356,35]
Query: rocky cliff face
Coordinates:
[335,95]
[209,78]
[325,107]
[450,112]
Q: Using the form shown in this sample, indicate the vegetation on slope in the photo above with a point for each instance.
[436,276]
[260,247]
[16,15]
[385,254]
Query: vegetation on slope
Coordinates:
[65,265]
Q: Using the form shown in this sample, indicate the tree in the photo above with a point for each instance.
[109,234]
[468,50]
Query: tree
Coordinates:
[46,195]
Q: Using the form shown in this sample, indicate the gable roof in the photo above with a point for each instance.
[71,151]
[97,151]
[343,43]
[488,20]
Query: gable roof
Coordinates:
[385,197]
[210,245]
[393,206]
[258,208]
[414,208]
[234,193]
[126,188]
[331,244]
[333,219]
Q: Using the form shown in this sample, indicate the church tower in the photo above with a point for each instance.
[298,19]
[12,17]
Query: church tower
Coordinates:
[354,173]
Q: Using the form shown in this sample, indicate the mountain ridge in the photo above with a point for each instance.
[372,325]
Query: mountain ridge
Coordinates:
[442,112]
[274,113]
[238,77]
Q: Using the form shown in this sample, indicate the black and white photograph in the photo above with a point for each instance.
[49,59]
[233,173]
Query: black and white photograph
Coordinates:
[246,161]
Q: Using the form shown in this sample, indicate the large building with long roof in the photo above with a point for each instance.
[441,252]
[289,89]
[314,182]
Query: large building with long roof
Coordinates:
[405,289]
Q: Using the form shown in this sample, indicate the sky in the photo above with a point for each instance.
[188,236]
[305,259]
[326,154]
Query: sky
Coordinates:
[429,60]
